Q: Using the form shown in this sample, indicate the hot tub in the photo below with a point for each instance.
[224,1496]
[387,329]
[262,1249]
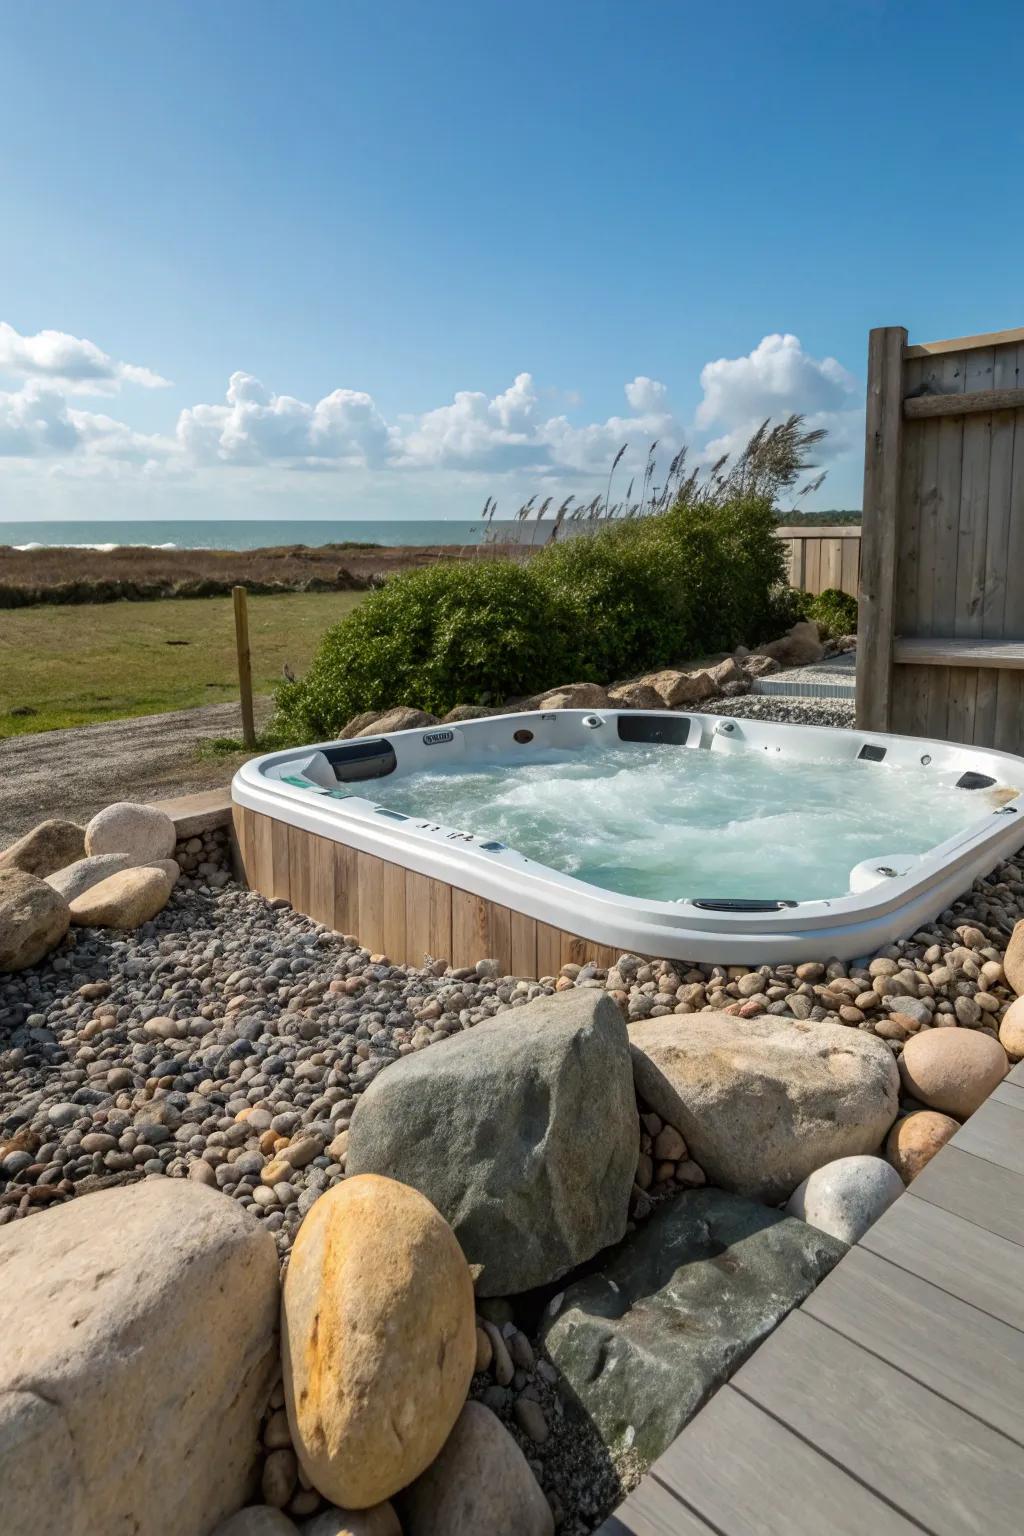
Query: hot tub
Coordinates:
[541,838]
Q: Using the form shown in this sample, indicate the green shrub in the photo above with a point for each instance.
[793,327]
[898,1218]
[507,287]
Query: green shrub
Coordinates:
[445,634]
[835,611]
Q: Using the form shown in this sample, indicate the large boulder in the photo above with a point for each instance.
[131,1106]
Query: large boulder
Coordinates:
[1013,960]
[635,696]
[33,918]
[952,1070]
[480,1485]
[403,719]
[77,878]
[801,647]
[47,847]
[575,696]
[124,900]
[143,832]
[763,1102]
[673,1311]
[145,1313]
[378,1339]
[846,1197]
[915,1139]
[523,1132]
[678,688]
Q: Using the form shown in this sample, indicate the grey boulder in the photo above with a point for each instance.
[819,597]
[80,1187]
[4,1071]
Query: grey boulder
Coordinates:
[480,1485]
[33,919]
[77,878]
[139,1347]
[846,1197]
[523,1132]
[763,1102]
[674,1310]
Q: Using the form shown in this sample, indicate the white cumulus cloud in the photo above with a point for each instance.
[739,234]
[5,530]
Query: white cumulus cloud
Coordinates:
[775,380]
[70,362]
[256,426]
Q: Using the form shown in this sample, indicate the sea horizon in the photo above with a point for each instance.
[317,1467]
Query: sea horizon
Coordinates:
[257,533]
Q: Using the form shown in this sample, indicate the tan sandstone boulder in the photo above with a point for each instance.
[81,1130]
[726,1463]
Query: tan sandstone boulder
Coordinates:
[1013,960]
[914,1141]
[763,1102]
[378,1339]
[47,847]
[139,1347]
[635,696]
[801,647]
[403,719]
[575,696]
[952,1070]
[125,900]
[480,1485]
[678,688]
[33,918]
[1011,1030]
[143,832]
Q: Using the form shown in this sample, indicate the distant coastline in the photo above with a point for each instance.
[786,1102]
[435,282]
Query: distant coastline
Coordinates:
[248,534]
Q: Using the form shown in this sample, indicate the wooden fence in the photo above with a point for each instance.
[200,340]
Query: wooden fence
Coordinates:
[823,557]
[941,633]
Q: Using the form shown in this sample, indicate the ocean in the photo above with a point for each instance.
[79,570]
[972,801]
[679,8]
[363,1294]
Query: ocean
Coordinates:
[230,533]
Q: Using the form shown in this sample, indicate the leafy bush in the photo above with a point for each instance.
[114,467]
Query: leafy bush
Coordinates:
[441,635]
[835,611]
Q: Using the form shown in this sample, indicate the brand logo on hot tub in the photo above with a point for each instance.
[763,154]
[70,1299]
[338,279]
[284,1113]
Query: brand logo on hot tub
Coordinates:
[435,738]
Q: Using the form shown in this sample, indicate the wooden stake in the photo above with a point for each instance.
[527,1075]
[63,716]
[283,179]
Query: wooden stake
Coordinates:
[244,665]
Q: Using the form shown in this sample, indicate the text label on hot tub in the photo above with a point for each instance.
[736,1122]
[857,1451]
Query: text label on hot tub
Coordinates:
[435,738]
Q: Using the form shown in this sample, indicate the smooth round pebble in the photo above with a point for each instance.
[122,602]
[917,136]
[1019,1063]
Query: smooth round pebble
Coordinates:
[845,1197]
[914,1141]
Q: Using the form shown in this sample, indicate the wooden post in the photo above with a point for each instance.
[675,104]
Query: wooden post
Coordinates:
[877,597]
[244,665]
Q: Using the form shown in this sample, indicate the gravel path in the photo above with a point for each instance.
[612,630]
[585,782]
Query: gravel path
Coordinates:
[77,772]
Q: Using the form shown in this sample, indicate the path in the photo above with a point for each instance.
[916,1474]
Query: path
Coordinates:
[77,772]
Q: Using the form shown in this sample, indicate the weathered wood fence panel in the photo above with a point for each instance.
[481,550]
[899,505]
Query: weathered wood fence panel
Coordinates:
[823,557]
[942,565]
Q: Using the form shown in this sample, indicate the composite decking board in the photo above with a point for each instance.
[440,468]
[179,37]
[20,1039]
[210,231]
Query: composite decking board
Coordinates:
[1008,1092]
[963,1259]
[937,1465]
[651,1510]
[966,1356]
[996,1132]
[982,1193]
[749,1475]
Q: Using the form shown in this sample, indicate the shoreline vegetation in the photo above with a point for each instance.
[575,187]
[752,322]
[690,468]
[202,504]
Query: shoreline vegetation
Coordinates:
[60,575]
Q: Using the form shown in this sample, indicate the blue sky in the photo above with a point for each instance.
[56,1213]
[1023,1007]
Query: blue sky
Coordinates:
[386,258]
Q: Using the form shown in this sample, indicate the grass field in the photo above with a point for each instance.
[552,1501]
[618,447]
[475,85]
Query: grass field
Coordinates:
[78,665]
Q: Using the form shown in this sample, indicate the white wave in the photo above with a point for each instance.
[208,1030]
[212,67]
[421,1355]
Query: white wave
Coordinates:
[100,549]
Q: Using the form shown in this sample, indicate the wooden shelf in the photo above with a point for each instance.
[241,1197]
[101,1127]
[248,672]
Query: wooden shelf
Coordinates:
[1001,654]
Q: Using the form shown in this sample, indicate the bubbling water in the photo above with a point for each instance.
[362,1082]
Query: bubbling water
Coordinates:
[665,824]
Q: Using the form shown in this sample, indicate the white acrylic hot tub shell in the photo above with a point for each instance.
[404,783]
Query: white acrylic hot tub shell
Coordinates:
[882,908]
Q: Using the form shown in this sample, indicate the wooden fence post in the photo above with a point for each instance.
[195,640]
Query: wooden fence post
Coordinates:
[244,665]
[877,598]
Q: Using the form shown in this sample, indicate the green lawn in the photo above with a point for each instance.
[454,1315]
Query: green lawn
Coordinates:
[77,665]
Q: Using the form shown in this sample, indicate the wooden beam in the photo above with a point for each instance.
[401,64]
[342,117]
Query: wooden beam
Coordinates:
[1003,655]
[877,597]
[916,407]
[965,343]
[821,531]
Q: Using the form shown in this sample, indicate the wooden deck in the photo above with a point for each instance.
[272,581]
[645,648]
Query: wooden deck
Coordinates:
[892,1400]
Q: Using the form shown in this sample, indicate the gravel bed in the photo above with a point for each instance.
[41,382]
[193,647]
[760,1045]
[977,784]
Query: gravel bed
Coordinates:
[791,711]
